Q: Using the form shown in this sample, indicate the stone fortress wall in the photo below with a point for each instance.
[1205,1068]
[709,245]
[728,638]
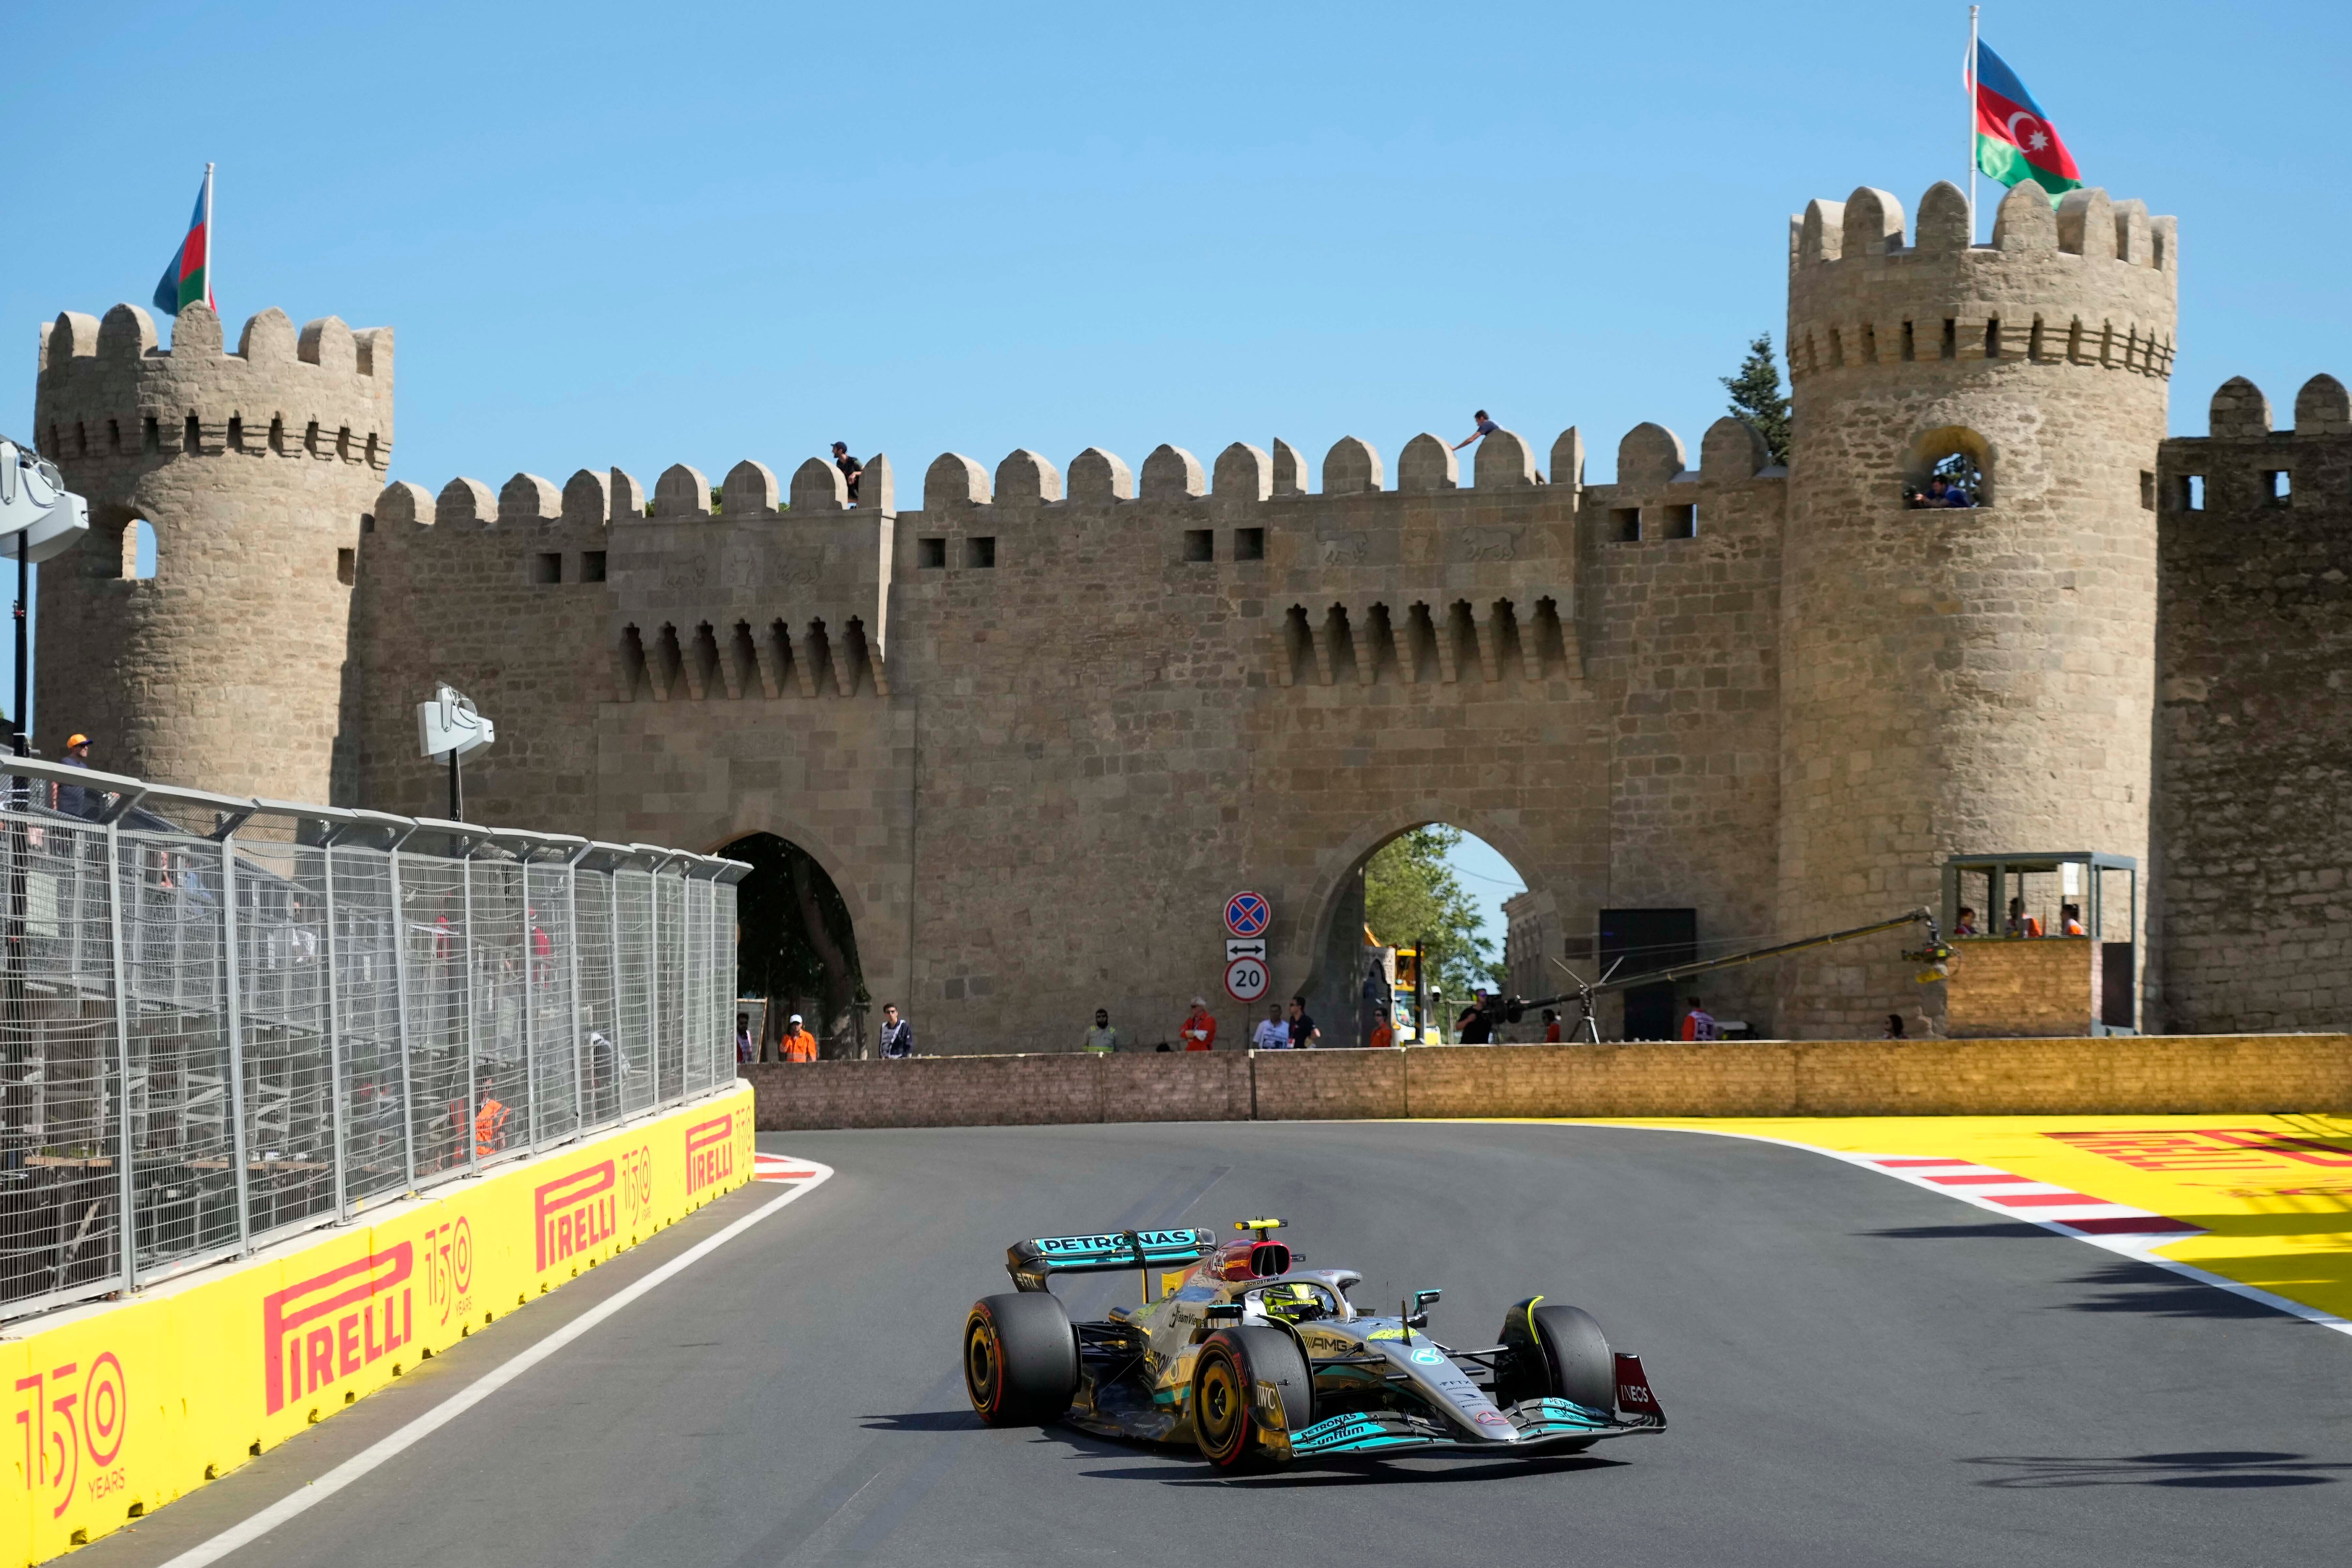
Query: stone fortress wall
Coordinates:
[1037,729]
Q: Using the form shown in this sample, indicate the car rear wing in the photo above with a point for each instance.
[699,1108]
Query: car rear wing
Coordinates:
[1032,1263]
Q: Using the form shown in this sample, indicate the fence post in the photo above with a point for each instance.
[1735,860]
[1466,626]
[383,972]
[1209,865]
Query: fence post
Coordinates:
[127,1183]
[232,1009]
[466,970]
[335,1032]
[620,1036]
[400,1003]
[572,956]
[529,1007]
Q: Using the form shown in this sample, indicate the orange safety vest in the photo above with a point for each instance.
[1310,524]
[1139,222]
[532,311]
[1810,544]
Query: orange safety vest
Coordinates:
[800,1046]
[490,1126]
[1383,1035]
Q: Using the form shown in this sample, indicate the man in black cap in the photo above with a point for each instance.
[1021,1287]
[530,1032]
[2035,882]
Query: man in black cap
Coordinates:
[850,467]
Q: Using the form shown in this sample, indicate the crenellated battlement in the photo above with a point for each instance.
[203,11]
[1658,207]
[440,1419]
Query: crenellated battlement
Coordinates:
[2242,478]
[108,391]
[2089,283]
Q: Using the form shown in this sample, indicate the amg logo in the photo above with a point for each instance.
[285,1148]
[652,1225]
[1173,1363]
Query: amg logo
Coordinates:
[572,1214]
[368,1320]
[709,1152]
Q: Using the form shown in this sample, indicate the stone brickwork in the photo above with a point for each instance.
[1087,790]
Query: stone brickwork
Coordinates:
[225,669]
[2136,1076]
[2025,988]
[2254,722]
[1038,728]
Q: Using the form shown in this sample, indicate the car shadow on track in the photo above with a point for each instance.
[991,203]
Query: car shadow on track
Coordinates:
[2126,1287]
[2220,1468]
[925,1420]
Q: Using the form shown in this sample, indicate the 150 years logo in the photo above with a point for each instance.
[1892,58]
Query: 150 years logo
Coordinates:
[70,1413]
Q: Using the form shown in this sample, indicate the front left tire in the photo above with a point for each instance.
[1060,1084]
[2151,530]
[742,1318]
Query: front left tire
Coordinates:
[1233,1365]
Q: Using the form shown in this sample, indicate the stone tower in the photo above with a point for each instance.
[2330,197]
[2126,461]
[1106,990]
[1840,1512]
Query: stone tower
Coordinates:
[225,669]
[1962,681]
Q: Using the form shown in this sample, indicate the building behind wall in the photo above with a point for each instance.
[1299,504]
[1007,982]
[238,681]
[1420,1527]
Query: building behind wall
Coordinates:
[1037,729]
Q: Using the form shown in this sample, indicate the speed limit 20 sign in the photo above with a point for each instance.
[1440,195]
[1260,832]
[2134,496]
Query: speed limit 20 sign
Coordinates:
[1246,979]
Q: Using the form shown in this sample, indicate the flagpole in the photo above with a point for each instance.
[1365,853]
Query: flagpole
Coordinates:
[213,224]
[1972,126]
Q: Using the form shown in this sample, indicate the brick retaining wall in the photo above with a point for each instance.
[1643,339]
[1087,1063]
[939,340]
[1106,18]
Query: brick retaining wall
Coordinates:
[2153,1074]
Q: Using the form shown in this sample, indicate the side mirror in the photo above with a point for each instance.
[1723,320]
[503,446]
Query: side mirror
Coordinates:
[1417,1315]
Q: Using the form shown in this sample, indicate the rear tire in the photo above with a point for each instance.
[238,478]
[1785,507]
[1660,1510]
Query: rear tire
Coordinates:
[1019,1359]
[1558,1351]
[1232,1364]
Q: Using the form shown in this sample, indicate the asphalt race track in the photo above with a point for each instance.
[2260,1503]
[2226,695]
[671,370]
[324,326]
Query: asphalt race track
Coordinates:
[1856,1371]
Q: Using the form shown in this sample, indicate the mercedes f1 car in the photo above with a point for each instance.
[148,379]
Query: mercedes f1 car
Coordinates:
[1259,1360]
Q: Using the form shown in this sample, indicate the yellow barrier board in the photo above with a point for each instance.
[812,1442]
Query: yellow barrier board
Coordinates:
[122,1407]
[2269,1197]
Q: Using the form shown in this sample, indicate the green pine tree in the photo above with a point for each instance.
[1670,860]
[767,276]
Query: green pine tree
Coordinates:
[1757,398]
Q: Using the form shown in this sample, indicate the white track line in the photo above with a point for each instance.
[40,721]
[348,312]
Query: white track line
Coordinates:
[481,1388]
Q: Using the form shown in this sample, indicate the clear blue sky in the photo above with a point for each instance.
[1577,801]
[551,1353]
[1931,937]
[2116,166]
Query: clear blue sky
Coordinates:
[644,236]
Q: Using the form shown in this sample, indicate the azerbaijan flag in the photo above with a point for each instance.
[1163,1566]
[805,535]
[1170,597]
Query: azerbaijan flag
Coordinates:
[2015,141]
[188,280]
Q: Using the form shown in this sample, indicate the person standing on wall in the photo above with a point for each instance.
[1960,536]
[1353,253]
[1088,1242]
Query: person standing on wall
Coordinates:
[1485,428]
[798,1045]
[1200,1030]
[851,469]
[1102,1039]
[897,1035]
[1698,1024]
[1273,1035]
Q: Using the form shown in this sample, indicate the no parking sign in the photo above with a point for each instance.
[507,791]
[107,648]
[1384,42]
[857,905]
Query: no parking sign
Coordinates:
[1248,914]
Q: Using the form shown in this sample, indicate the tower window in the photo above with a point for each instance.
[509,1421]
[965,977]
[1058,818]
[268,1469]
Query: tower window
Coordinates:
[1200,544]
[591,566]
[1681,522]
[1249,544]
[2147,490]
[347,566]
[114,436]
[930,554]
[191,435]
[547,568]
[1626,524]
[2190,496]
[979,551]
[237,433]
[1950,467]
[152,440]
[139,551]
[278,434]
[81,439]
[1951,345]
[2278,486]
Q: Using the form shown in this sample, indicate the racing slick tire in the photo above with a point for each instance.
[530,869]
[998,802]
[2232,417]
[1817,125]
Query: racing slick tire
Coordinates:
[1019,1359]
[1234,1364]
[1558,1351]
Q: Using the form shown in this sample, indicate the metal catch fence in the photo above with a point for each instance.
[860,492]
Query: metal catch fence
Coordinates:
[226,1020]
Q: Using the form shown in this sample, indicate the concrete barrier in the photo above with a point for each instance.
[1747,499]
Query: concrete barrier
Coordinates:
[2152,1075]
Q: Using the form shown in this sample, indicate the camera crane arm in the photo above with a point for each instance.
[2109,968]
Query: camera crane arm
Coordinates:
[1934,953]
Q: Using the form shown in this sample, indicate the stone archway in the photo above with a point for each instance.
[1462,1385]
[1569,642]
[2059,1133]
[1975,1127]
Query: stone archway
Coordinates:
[1335,960]
[797,943]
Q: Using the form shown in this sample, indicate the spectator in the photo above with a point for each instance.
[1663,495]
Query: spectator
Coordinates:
[1968,924]
[1475,1026]
[1274,1035]
[744,1050]
[851,469]
[798,1045]
[2070,921]
[1698,1024]
[1941,491]
[1200,1030]
[489,1121]
[1102,1039]
[1485,428]
[1303,1032]
[1551,1027]
[897,1035]
[1913,498]
[1894,1026]
[77,800]
[1381,1033]
[2022,924]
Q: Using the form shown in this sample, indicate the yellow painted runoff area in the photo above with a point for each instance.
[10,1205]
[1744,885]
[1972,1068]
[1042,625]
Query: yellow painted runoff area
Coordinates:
[123,1406]
[2274,1194]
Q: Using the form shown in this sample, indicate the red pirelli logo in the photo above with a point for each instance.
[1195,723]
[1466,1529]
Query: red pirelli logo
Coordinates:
[361,1310]
[709,1152]
[574,1214]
